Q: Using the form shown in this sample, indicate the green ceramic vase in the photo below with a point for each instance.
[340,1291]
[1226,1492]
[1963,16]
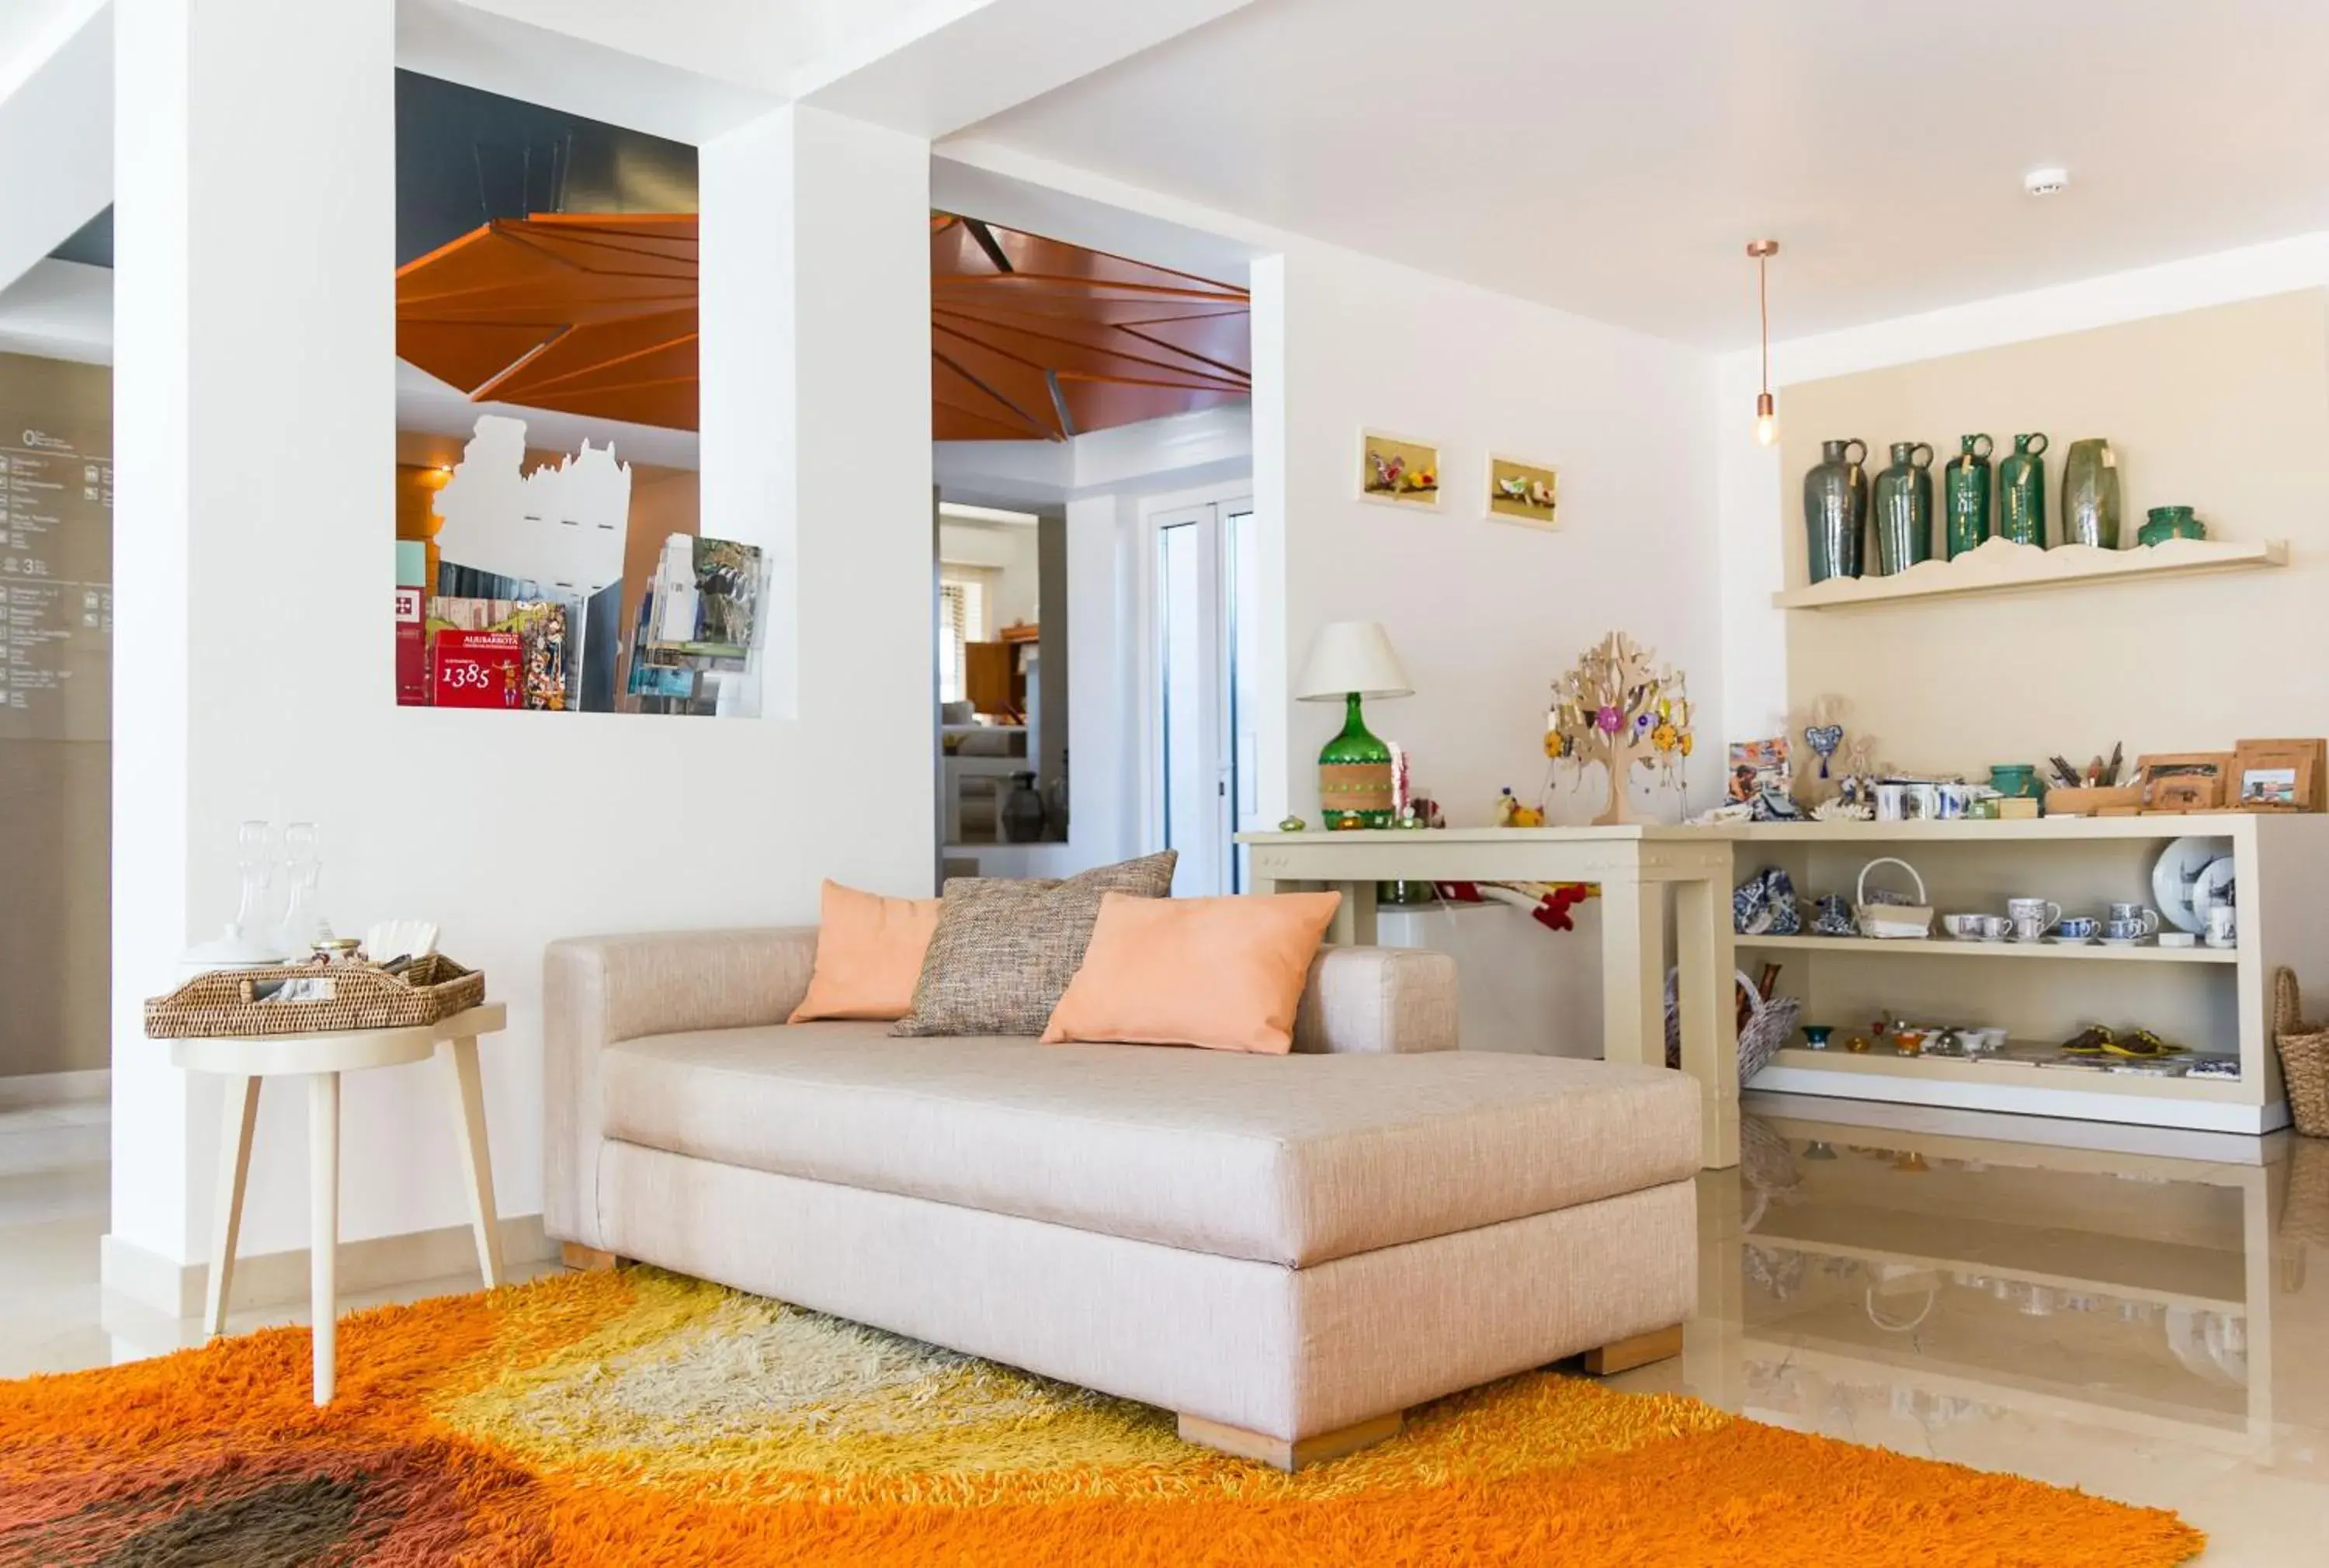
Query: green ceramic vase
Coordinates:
[1964,489]
[2090,494]
[1903,506]
[1354,787]
[1835,508]
[2022,491]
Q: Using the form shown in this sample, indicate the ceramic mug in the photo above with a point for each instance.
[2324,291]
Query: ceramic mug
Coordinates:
[2079,928]
[1996,927]
[2223,927]
[2044,911]
[2141,915]
[1954,798]
[1891,802]
[2031,927]
[2128,930]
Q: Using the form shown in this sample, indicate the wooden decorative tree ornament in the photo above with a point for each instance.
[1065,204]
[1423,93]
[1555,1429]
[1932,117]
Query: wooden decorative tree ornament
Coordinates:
[1617,707]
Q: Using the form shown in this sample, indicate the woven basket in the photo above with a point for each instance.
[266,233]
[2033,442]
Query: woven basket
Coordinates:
[1768,1024]
[217,1005]
[1878,918]
[2304,1058]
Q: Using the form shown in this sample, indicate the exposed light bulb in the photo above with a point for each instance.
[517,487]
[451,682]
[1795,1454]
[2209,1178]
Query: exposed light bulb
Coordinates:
[1766,419]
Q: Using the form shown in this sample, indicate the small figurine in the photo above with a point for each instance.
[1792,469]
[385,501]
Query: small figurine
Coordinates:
[1511,814]
[1292,825]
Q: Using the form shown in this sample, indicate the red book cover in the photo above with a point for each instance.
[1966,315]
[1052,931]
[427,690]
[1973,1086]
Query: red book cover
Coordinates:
[412,651]
[480,670]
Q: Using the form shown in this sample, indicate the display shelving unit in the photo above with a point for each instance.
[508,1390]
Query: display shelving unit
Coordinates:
[2217,1001]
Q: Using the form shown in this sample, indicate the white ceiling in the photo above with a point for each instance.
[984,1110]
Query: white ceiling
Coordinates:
[1614,160]
[31,28]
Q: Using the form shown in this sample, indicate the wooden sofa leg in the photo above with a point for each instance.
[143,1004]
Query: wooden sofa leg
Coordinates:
[1289,1454]
[590,1259]
[1625,1355]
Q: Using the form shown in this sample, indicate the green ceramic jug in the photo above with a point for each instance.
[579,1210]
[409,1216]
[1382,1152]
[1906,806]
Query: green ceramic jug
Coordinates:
[1965,489]
[1835,508]
[1903,505]
[2022,491]
[2090,494]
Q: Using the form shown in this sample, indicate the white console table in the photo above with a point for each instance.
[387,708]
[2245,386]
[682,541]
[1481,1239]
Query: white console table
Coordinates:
[1632,865]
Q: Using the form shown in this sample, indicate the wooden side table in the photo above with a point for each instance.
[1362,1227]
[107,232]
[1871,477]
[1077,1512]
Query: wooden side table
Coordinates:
[321,1059]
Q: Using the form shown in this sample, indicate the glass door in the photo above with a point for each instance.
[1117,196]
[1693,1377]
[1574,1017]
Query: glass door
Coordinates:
[1203,742]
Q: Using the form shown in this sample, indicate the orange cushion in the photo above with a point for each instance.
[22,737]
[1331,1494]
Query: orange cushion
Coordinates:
[869,953]
[1224,973]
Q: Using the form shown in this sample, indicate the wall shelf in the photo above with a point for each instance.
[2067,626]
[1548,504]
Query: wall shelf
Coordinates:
[1950,947]
[2002,567]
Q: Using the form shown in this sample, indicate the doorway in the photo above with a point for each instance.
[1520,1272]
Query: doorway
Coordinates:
[1203,662]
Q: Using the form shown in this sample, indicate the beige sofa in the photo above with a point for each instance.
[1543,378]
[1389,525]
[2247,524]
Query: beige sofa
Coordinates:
[1287,1251]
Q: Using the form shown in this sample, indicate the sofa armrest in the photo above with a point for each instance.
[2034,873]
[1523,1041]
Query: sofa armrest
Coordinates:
[598,990]
[1378,1000]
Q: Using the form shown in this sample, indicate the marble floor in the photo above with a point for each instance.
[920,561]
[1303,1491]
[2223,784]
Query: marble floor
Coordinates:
[1993,1292]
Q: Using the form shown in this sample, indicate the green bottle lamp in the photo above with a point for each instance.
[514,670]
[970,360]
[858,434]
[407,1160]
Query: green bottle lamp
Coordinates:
[1350,660]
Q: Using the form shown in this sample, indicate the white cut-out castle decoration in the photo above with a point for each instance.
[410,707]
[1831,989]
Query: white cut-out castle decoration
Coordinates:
[563,527]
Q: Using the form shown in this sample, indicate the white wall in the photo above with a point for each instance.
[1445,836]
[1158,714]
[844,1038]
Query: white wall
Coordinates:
[1755,512]
[1484,614]
[1006,549]
[56,132]
[255,644]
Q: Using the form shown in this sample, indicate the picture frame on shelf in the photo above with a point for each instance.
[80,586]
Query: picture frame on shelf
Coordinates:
[2185,781]
[1399,470]
[2278,776]
[1528,493]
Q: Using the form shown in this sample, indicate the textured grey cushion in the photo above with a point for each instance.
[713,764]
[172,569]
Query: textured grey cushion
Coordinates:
[1005,950]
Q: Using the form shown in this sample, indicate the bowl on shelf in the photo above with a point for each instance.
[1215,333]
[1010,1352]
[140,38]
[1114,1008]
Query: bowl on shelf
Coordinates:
[2163,523]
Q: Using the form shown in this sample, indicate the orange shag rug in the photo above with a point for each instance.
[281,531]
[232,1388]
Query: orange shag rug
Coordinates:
[637,1417]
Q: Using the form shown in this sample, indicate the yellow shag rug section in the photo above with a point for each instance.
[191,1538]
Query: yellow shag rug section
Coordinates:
[638,1417]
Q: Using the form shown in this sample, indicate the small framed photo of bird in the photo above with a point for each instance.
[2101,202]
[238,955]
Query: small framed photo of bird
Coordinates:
[1526,493]
[1399,470]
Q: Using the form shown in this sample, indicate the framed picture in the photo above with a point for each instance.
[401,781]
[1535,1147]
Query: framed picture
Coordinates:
[2185,781]
[1520,492]
[1760,767]
[2278,776]
[1399,471]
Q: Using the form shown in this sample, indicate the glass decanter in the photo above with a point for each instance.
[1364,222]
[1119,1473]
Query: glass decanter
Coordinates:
[255,855]
[304,924]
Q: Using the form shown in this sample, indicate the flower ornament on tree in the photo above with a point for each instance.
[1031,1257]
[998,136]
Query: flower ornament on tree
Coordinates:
[1617,709]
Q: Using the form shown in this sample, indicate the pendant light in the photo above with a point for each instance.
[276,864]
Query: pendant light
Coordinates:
[1766,413]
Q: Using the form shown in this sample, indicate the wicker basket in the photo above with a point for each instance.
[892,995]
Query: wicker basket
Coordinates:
[2304,1058]
[1876,918]
[219,1005]
[1768,1024]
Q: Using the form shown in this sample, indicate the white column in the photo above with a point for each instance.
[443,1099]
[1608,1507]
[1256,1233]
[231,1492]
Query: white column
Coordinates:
[254,431]
[816,404]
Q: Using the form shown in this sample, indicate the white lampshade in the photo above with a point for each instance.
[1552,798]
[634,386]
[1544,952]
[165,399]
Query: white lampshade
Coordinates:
[1353,656]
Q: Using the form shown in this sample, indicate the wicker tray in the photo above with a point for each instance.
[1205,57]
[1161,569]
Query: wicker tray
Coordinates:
[2304,1058]
[217,1005]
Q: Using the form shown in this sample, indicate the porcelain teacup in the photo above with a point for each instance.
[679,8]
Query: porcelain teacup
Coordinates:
[2044,911]
[2079,928]
[1993,928]
[2031,927]
[1963,926]
[2138,915]
[2128,930]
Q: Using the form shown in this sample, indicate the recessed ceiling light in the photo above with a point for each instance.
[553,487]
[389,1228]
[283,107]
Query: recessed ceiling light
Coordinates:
[2045,182]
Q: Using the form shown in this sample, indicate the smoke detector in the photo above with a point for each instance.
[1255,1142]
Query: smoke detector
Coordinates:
[2045,182]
